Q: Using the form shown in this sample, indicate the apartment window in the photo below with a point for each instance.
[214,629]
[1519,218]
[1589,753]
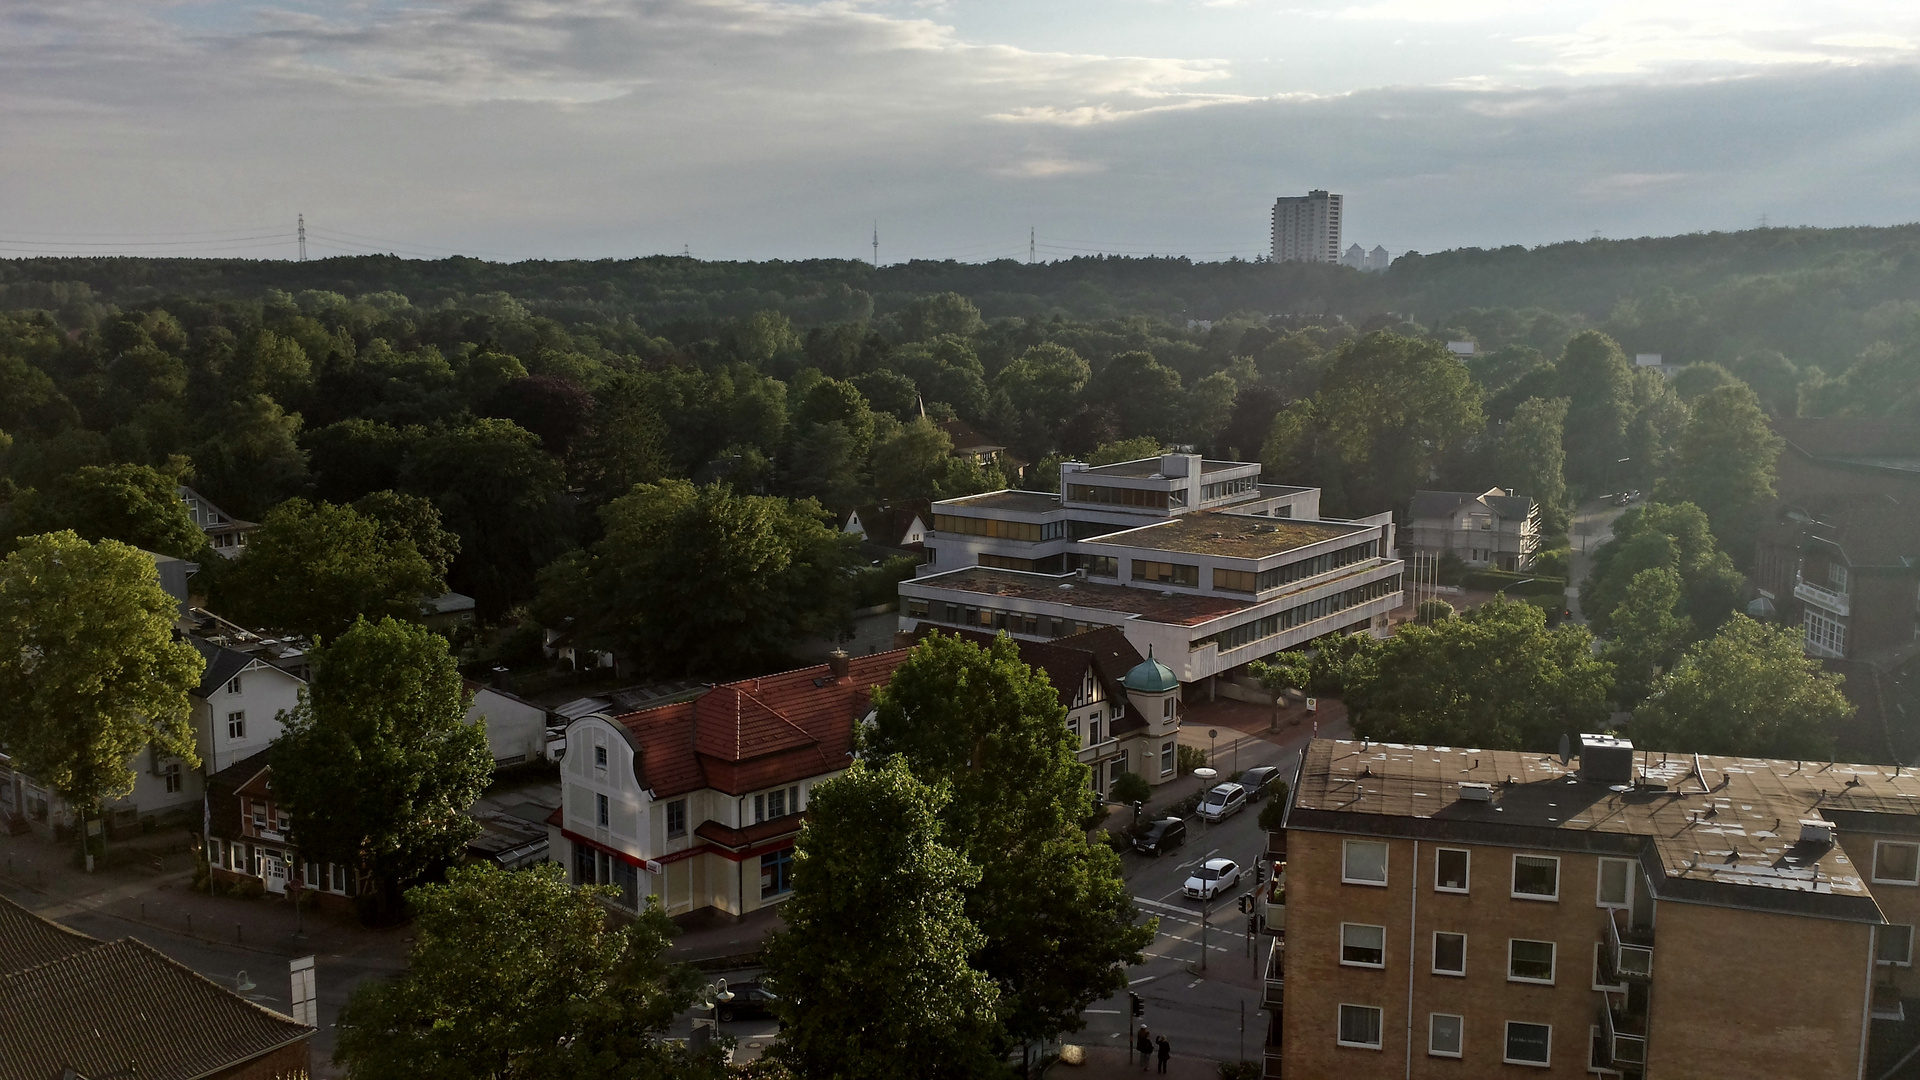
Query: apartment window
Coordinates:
[599,757]
[233,685]
[1837,577]
[1896,864]
[1600,970]
[1167,573]
[171,774]
[1530,961]
[1166,759]
[1093,730]
[1450,870]
[339,877]
[1893,945]
[1364,862]
[237,725]
[1536,877]
[1444,1032]
[1360,1026]
[600,809]
[1095,565]
[1166,709]
[1233,580]
[776,873]
[1449,954]
[1616,884]
[776,804]
[1529,1044]
[215,856]
[1073,727]
[1824,634]
[1363,946]
[677,818]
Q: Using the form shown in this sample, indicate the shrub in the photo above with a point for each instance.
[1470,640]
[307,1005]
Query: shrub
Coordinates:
[1554,563]
[1130,788]
[1432,611]
[881,584]
[1190,758]
[1241,1070]
[1275,809]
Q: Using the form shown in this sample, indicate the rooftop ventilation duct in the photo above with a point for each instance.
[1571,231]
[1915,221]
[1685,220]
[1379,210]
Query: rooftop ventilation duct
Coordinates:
[1475,792]
[1606,760]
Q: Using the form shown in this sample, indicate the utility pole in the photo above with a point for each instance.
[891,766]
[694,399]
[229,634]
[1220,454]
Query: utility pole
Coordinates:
[876,245]
[1029,245]
[302,219]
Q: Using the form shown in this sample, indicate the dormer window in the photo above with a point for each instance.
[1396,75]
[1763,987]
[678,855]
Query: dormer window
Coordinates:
[599,757]
[1837,577]
[233,685]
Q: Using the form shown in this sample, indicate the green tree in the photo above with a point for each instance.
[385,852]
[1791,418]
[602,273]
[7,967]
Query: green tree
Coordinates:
[314,568]
[1533,457]
[915,461]
[1493,677]
[516,975]
[1597,380]
[250,459]
[1750,690]
[873,966]
[1037,391]
[377,765]
[134,504]
[30,402]
[498,491]
[690,579]
[626,444]
[1143,446]
[1209,407]
[91,672]
[929,317]
[1724,463]
[1674,536]
[1649,633]
[1129,788]
[415,519]
[1143,393]
[1057,917]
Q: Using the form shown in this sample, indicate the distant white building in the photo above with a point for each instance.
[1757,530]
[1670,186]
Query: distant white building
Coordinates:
[1378,259]
[1355,257]
[1306,228]
[1461,349]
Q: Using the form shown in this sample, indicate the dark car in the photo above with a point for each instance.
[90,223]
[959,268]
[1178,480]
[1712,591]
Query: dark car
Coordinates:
[752,1000]
[1160,837]
[1259,782]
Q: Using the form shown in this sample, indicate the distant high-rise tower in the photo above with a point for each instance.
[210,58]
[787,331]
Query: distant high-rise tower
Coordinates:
[1306,228]
[1378,259]
[1355,257]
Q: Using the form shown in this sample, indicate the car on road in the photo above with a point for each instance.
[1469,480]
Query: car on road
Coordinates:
[1258,782]
[1160,837]
[1212,878]
[1224,801]
[752,1000]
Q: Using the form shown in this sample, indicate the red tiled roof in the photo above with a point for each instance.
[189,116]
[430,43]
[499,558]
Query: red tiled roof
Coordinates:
[757,733]
[728,836]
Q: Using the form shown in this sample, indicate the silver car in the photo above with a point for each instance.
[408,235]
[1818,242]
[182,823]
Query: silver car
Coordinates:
[1224,801]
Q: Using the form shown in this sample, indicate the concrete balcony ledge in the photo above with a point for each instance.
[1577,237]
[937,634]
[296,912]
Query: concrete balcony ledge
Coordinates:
[1838,603]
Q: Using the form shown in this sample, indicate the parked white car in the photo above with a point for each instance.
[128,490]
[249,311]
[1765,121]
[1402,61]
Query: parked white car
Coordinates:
[1223,802]
[1212,878]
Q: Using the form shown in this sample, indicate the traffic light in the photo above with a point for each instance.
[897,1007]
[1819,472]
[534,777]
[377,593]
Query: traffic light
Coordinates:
[1243,903]
[1135,1005]
[1260,873]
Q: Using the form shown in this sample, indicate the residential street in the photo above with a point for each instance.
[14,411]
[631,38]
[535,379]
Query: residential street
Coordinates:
[1592,526]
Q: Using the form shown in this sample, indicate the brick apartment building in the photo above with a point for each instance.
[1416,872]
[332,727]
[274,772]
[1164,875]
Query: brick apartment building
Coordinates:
[1475,913]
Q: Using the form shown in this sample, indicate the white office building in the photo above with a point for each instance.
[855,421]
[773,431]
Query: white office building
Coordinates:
[1196,561]
[1306,228]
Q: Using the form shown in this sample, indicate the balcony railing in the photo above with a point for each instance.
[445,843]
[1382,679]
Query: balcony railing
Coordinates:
[1629,954]
[1836,602]
[1626,1035]
[1275,996]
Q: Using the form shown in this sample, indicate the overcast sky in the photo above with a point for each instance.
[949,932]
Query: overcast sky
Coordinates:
[765,129]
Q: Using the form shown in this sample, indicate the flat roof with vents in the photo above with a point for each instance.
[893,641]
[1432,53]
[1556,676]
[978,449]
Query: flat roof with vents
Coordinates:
[1238,536]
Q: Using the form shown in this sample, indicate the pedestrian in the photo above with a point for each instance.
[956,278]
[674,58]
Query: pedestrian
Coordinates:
[1144,1044]
[1165,1051]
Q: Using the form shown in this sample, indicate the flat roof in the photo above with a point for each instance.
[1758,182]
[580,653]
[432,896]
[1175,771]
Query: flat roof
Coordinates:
[1239,536]
[1031,502]
[1138,469]
[1172,608]
[1708,829]
[1210,466]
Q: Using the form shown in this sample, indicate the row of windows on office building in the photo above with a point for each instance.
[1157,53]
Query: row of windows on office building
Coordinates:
[1300,614]
[982,618]
[1092,495]
[1247,581]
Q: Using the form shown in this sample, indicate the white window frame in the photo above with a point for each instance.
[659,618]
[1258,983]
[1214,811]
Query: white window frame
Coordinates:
[602,811]
[1908,962]
[1380,1024]
[1506,1041]
[233,685]
[1553,965]
[1435,957]
[1460,1035]
[1344,962]
[237,725]
[1386,858]
[599,757]
[1600,881]
[1878,880]
[1513,882]
[1437,887]
[1169,758]
[1599,966]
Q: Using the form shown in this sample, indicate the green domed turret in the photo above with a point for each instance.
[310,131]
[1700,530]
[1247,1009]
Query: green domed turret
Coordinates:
[1150,676]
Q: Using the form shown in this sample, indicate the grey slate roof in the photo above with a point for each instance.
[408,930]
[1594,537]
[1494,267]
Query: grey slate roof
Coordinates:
[124,1007]
[27,939]
[1428,504]
[222,664]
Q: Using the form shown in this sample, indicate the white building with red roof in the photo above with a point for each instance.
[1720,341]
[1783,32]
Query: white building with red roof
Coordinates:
[699,802]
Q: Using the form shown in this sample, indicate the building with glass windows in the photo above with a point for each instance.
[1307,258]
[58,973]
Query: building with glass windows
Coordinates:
[1615,912]
[1196,561]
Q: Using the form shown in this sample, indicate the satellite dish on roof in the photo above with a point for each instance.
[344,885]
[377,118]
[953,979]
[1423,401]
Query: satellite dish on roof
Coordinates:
[1566,749]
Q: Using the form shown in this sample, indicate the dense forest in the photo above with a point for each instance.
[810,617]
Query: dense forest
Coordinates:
[485,425]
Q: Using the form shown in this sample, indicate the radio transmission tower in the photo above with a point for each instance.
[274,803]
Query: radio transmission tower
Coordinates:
[303,237]
[876,245]
[1029,245]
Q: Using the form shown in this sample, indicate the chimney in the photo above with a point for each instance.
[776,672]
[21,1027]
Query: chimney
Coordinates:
[837,663]
[903,639]
[502,678]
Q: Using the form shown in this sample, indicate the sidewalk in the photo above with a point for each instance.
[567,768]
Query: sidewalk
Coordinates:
[1246,725]
[1110,1063]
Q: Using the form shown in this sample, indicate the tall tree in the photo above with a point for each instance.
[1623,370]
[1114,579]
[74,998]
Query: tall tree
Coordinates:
[250,459]
[414,519]
[498,490]
[1058,921]
[1751,691]
[1035,392]
[1724,463]
[873,966]
[90,670]
[1145,394]
[516,975]
[1597,380]
[377,765]
[1532,453]
[1674,536]
[690,579]
[1210,407]
[134,504]
[314,568]
[1649,632]
[1494,677]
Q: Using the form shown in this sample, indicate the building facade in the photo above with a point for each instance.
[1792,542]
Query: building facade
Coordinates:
[226,534]
[1195,561]
[248,838]
[1454,913]
[1494,528]
[1306,228]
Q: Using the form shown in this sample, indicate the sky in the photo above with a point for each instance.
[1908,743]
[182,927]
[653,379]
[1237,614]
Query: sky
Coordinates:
[965,129]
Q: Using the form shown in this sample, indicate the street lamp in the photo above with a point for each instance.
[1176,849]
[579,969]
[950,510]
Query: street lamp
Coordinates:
[1212,734]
